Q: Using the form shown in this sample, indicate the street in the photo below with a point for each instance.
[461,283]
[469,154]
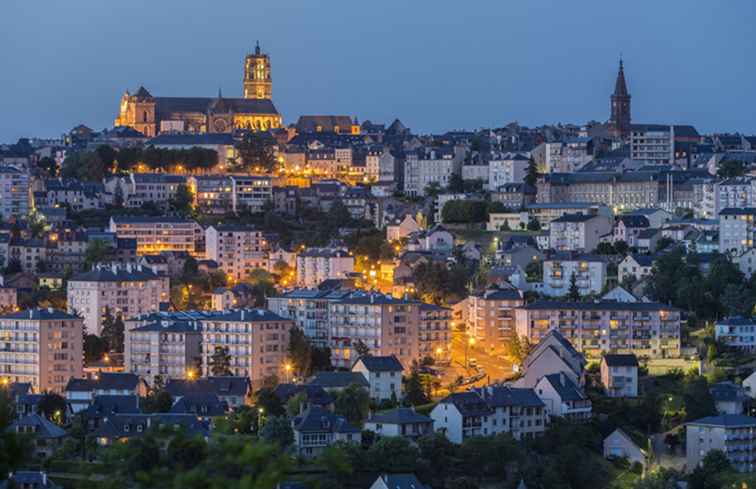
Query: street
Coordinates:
[494,367]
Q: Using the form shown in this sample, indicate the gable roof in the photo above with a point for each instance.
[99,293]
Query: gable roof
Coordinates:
[43,428]
[468,403]
[621,360]
[338,379]
[220,386]
[402,481]
[200,405]
[726,420]
[565,387]
[376,363]
[399,416]
[316,419]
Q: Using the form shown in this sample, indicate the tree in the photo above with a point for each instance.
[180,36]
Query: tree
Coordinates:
[182,201]
[13,267]
[574,292]
[97,251]
[220,362]
[53,407]
[414,393]
[361,348]
[190,270]
[337,465]
[300,352]
[338,215]
[706,476]
[730,169]
[94,348]
[456,184]
[531,177]
[269,402]
[158,401]
[393,454]
[277,429]
[113,331]
[432,190]
[353,403]
[185,453]
[697,398]
[256,150]
[534,224]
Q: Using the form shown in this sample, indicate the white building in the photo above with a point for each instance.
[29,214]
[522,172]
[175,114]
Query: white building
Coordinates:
[431,165]
[736,229]
[250,192]
[317,264]
[158,234]
[507,168]
[589,272]
[620,445]
[122,290]
[636,267]
[42,347]
[383,373]
[236,249]
[402,422]
[737,332]
[578,232]
[316,429]
[379,164]
[168,349]
[619,375]
[402,229]
[488,411]
[553,354]
[14,192]
[732,434]
[563,398]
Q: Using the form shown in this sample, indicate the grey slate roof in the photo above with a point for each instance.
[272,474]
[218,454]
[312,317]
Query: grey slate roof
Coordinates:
[381,363]
[468,403]
[726,420]
[727,392]
[121,275]
[565,387]
[200,405]
[220,386]
[42,427]
[399,416]
[621,360]
[402,481]
[599,306]
[316,419]
[40,315]
[315,394]
[504,395]
[338,379]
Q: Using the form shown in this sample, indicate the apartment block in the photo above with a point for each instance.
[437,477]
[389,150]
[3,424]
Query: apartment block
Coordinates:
[597,328]
[579,232]
[157,234]
[14,192]
[733,434]
[317,264]
[126,290]
[507,168]
[589,272]
[250,192]
[737,332]
[169,349]
[736,229]
[491,317]
[237,249]
[42,347]
[427,166]
[256,340]
[212,193]
[308,308]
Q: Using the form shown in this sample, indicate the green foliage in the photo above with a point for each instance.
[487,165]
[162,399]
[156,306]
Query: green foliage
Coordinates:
[706,476]
[85,166]
[432,190]
[353,403]
[256,150]
[393,455]
[269,402]
[730,169]
[13,267]
[153,158]
[181,203]
[97,251]
[94,348]
[531,178]
[534,224]
[361,348]
[53,407]
[277,429]
[465,211]
[414,393]
[573,293]
[185,453]
[437,283]
[220,362]
[300,352]
[158,401]
[113,331]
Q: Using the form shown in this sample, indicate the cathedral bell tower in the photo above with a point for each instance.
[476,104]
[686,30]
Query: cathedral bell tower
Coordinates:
[619,123]
[257,81]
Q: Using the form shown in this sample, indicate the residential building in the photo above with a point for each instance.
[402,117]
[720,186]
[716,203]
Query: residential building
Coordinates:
[14,193]
[595,328]
[553,354]
[81,393]
[46,436]
[398,481]
[384,375]
[250,193]
[618,444]
[236,249]
[563,398]
[156,234]
[545,213]
[76,195]
[749,385]
[736,229]
[315,265]
[139,189]
[403,422]
[402,228]
[316,429]
[589,272]
[309,310]
[736,332]
[255,339]
[578,232]
[628,227]
[427,166]
[729,397]
[657,144]
[488,411]
[434,330]
[42,347]
[118,290]
[436,239]
[335,382]
[507,168]
[234,392]
[635,267]
[491,318]
[168,349]
[732,434]
[619,375]
[212,193]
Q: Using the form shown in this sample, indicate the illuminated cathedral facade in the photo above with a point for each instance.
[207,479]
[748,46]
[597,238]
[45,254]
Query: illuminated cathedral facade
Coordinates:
[154,115]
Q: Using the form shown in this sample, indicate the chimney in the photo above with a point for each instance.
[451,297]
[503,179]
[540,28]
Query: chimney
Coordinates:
[31,313]
[50,310]
[242,314]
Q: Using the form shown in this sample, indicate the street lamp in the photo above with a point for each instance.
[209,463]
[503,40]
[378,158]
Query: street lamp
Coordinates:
[470,343]
[287,367]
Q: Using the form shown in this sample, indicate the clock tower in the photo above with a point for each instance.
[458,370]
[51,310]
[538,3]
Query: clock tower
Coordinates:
[619,123]
[257,81]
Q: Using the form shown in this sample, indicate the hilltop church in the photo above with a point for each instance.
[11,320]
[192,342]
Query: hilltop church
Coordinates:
[154,115]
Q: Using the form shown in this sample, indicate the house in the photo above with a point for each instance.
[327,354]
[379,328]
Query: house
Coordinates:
[647,240]
[552,355]
[635,266]
[655,216]
[589,272]
[737,332]
[47,436]
[383,373]
[404,422]
[402,229]
[80,393]
[628,228]
[619,444]
[203,406]
[563,398]
[314,395]
[490,410]
[338,381]
[619,375]
[436,239]
[316,429]
[733,434]
[122,427]
[618,294]
[234,392]
[398,481]
[578,232]
[749,385]
[729,398]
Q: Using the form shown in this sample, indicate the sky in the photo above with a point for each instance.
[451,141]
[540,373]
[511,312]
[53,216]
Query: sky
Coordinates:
[437,65]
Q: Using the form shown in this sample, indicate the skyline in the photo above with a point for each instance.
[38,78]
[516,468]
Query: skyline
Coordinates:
[451,72]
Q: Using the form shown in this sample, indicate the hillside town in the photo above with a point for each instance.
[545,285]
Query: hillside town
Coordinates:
[208,295]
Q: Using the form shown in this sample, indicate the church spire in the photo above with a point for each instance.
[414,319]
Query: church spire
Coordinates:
[257,48]
[620,86]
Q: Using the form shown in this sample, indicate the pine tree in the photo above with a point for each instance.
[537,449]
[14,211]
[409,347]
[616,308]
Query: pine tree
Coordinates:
[574,293]
[531,177]
[220,362]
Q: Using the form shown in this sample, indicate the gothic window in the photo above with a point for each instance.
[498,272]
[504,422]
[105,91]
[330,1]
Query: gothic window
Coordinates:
[144,116]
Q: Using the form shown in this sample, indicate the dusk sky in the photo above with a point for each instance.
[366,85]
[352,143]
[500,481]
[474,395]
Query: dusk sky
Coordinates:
[437,65]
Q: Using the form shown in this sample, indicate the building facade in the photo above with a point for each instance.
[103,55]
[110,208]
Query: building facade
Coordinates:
[236,249]
[157,234]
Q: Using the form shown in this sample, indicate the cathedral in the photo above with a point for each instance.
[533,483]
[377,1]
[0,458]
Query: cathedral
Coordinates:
[154,115]
[619,122]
